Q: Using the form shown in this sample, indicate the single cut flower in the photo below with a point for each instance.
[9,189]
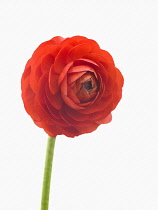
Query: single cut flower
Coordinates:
[70,86]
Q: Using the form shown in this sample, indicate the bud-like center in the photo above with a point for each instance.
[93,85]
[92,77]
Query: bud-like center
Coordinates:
[87,87]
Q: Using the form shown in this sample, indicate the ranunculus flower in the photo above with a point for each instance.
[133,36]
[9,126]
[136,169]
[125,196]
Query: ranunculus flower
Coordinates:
[70,86]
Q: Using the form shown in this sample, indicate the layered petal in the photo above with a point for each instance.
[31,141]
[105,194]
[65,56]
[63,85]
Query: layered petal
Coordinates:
[60,60]
[79,51]
[28,97]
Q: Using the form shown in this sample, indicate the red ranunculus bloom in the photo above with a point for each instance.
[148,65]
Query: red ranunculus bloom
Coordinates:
[70,86]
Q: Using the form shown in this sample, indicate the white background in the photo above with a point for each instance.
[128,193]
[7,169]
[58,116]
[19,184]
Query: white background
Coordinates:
[113,168]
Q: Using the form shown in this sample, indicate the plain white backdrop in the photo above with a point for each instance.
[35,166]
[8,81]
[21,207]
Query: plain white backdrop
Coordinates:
[113,168]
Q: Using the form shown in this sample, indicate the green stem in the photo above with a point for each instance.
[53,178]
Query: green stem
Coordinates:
[47,173]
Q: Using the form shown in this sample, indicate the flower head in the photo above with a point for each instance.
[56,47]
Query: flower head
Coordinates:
[70,86]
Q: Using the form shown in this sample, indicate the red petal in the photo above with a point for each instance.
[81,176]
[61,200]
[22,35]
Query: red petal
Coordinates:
[68,41]
[90,66]
[93,43]
[72,96]
[39,54]
[57,39]
[99,105]
[46,63]
[56,116]
[119,78]
[84,96]
[54,112]
[70,103]
[43,113]
[65,97]
[98,58]
[45,48]
[55,100]
[107,55]
[73,77]
[106,120]
[64,72]
[40,103]
[52,130]
[78,38]
[92,127]
[79,51]
[73,41]
[81,68]
[28,97]
[84,61]
[53,81]
[75,114]
[116,99]
[38,123]
[73,122]
[60,60]
[100,115]
[27,71]
[35,75]
[105,62]
[41,88]
[69,131]
[47,112]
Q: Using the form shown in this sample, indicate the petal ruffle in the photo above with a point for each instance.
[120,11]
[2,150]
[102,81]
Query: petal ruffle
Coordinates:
[105,120]
[60,60]
[53,81]
[46,63]
[28,97]
[55,99]
[78,52]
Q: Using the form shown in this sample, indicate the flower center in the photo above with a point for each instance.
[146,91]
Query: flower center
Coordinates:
[87,87]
